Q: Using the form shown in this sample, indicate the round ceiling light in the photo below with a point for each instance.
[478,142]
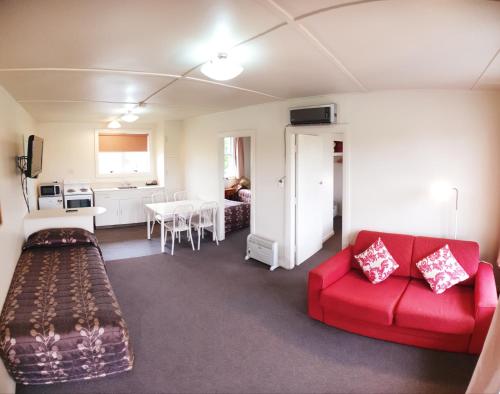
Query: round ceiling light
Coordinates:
[221,68]
[114,124]
[130,117]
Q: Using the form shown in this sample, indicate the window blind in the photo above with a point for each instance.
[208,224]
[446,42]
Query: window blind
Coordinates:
[111,142]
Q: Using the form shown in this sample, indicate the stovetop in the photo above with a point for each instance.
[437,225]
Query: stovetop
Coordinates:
[77,188]
[80,190]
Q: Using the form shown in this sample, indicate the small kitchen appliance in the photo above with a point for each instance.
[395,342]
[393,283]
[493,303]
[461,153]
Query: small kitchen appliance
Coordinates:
[49,189]
[78,195]
[50,196]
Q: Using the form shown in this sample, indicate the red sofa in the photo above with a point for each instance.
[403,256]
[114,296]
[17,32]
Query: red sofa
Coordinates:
[403,308]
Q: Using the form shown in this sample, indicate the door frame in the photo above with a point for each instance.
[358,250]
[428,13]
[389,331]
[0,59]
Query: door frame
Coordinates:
[290,185]
[220,176]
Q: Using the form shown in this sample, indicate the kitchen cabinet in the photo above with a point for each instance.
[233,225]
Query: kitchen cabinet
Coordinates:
[112,214]
[132,210]
[123,206]
[128,210]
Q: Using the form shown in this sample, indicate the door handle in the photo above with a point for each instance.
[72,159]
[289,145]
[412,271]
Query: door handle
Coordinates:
[320,182]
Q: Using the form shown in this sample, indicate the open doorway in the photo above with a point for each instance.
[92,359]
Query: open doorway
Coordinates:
[237,192]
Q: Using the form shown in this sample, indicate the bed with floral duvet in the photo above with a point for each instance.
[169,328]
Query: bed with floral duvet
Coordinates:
[61,320]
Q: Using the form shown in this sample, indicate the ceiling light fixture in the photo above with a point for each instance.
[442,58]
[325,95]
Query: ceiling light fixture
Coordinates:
[114,124]
[130,117]
[221,68]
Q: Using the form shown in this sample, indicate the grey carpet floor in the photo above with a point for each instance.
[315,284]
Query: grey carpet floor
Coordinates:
[207,322]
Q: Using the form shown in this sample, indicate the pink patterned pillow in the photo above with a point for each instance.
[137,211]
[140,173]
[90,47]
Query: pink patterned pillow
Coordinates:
[441,270]
[376,262]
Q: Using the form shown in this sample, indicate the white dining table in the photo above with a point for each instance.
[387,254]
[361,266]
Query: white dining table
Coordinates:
[164,210]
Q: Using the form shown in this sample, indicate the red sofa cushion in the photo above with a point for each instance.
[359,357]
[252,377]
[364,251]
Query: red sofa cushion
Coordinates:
[355,297]
[451,312]
[399,246]
[466,253]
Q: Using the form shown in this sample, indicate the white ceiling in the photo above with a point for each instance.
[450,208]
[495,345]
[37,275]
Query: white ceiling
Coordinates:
[74,60]
[283,63]
[80,85]
[412,44]
[198,94]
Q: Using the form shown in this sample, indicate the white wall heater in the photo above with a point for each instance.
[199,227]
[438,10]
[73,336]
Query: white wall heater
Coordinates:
[262,249]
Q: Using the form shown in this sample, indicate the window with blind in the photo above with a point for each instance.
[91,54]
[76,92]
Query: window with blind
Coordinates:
[123,153]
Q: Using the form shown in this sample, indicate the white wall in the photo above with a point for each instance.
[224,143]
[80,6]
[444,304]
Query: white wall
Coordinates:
[400,143]
[69,152]
[14,122]
[174,164]
[201,160]
[403,142]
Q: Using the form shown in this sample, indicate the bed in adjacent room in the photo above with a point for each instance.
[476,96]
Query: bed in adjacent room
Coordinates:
[61,320]
[237,211]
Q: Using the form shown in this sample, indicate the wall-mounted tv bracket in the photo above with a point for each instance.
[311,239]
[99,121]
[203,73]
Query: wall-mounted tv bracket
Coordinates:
[22,165]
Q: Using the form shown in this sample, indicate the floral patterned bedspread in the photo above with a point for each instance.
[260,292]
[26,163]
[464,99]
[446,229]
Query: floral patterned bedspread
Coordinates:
[61,320]
[236,215]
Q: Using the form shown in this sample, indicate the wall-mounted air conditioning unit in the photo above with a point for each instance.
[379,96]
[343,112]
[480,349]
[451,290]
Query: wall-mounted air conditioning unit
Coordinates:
[262,249]
[321,114]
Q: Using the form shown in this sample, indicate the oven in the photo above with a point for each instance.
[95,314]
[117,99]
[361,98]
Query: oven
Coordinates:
[78,201]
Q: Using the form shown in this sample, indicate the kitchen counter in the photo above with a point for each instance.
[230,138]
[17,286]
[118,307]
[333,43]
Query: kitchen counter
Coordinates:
[112,189]
[50,218]
[61,212]
[123,205]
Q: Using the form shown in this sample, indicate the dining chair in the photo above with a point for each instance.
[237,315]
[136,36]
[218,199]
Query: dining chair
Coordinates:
[206,217]
[181,195]
[158,197]
[181,221]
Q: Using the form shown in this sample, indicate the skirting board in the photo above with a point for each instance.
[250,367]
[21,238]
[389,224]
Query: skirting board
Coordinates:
[328,236]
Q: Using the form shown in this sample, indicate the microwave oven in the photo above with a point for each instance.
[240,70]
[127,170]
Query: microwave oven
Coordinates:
[49,189]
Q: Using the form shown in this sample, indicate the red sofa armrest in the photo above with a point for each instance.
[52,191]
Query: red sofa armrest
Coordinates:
[323,276]
[485,302]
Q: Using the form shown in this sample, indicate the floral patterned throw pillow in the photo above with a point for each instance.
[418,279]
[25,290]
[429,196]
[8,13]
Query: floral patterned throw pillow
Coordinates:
[376,262]
[441,270]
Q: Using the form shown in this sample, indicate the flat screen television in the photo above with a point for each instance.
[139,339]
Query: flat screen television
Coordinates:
[34,157]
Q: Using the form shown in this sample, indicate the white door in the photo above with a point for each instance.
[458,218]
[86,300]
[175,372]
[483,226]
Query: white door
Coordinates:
[112,215]
[309,199]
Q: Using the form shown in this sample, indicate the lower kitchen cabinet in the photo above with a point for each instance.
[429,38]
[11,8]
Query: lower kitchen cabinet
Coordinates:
[112,214]
[132,210]
[123,206]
